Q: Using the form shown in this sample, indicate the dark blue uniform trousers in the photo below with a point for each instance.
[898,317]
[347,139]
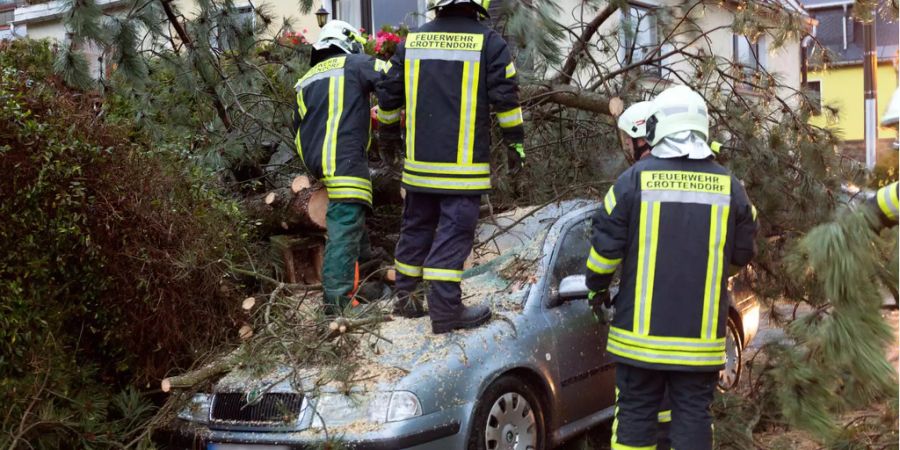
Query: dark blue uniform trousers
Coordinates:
[639,393]
[436,236]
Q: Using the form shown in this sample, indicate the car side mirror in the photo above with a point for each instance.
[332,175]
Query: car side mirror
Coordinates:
[572,287]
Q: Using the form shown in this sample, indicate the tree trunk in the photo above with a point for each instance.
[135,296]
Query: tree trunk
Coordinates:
[195,377]
[281,211]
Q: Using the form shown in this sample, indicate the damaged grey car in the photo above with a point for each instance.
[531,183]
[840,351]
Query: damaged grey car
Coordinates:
[534,377]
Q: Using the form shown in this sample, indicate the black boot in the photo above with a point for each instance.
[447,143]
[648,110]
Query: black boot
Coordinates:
[408,305]
[469,317]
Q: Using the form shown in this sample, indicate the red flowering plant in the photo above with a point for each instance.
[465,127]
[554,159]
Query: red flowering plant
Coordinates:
[384,43]
[294,38]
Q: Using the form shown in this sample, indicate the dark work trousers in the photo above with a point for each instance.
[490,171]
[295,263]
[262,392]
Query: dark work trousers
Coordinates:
[639,393]
[436,236]
[665,423]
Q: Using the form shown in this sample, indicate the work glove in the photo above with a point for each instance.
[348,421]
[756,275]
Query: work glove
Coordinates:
[602,306]
[515,155]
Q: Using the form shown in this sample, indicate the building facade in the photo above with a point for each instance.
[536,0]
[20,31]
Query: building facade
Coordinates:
[835,80]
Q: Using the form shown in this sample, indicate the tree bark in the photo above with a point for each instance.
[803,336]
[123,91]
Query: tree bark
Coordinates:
[565,95]
[281,211]
[579,46]
[195,377]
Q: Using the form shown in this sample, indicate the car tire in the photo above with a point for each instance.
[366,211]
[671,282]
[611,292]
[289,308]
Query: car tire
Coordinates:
[734,351]
[509,415]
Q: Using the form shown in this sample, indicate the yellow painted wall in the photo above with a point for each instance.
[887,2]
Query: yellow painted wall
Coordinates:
[842,87]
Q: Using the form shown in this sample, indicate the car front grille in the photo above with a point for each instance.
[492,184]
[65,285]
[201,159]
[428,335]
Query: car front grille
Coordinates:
[271,408]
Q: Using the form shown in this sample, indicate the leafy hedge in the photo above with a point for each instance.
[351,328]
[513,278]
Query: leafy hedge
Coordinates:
[114,254]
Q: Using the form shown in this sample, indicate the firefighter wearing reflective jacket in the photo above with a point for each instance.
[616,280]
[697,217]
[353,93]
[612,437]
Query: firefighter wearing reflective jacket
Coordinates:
[448,76]
[885,204]
[331,131]
[677,223]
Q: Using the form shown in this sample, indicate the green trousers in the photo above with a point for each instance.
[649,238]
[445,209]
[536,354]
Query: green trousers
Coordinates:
[348,242]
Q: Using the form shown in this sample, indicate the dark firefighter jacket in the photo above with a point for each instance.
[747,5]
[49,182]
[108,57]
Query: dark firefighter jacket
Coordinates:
[886,204]
[675,226]
[332,124]
[448,75]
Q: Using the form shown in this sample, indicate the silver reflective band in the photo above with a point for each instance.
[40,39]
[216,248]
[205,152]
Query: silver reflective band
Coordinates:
[321,76]
[714,280]
[335,181]
[663,343]
[456,169]
[602,265]
[443,55]
[703,198]
[888,201]
[665,356]
[446,182]
[645,274]
[349,192]
[467,133]
[512,118]
[675,110]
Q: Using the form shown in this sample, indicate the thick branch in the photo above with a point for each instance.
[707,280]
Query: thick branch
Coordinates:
[566,95]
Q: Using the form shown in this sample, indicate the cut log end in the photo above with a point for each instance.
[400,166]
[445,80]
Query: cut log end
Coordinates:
[270,198]
[245,332]
[616,106]
[300,183]
[390,275]
[248,303]
[166,385]
[318,207]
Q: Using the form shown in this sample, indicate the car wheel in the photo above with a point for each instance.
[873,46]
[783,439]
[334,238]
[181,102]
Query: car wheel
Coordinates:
[731,374]
[508,416]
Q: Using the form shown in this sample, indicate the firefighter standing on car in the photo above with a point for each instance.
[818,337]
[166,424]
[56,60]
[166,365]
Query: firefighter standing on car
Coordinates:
[678,223]
[448,76]
[331,131]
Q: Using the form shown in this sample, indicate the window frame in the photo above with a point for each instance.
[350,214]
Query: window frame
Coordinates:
[629,47]
[817,109]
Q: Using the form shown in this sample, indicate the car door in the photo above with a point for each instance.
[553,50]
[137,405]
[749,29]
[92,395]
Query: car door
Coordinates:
[586,374]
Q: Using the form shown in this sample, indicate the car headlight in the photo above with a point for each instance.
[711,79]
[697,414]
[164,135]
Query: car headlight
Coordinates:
[197,410]
[335,410]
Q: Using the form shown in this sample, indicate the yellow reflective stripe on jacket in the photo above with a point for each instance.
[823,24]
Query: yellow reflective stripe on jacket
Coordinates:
[510,70]
[680,358]
[666,343]
[337,193]
[467,109]
[448,168]
[648,236]
[447,183]
[600,264]
[335,110]
[674,180]
[467,42]
[407,269]
[328,68]
[511,118]
[388,117]
[299,145]
[715,266]
[382,66]
[609,202]
[430,273]
[664,416]
[301,104]
[753,211]
[411,79]
[354,182]
[887,200]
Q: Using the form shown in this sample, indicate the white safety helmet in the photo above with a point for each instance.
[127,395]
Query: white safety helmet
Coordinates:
[891,117]
[674,110]
[633,121]
[339,34]
[481,5]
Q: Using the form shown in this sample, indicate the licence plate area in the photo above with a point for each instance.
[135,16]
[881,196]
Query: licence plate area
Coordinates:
[215,446]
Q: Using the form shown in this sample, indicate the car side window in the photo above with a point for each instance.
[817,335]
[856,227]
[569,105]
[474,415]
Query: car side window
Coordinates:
[573,251]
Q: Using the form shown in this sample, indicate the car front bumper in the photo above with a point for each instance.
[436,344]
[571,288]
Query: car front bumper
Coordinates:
[439,430]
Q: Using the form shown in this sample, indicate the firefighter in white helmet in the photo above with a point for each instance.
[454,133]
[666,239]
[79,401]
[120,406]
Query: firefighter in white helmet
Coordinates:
[331,132]
[674,221]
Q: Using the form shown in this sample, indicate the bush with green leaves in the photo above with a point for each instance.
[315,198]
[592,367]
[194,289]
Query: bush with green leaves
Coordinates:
[114,257]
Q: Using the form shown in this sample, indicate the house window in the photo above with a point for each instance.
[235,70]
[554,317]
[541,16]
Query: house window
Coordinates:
[6,16]
[640,37]
[749,55]
[814,93]
[397,12]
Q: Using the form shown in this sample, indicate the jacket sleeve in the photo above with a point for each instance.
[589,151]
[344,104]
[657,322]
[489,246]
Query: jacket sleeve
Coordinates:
[609,234]
[745,225]
[390,90]
[503,89]
[885,204]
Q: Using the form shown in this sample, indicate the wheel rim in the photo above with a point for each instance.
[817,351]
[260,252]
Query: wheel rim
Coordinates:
[729,375]
[511,424]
